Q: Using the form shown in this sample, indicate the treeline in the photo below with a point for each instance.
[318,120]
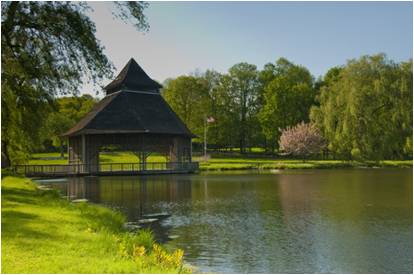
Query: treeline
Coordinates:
[67,112]
[45,128]
[362,109]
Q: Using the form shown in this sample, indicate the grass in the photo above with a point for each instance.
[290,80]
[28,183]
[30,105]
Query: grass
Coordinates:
[249,150]
[234,163]
[107,157]
[42,233]
[244,164]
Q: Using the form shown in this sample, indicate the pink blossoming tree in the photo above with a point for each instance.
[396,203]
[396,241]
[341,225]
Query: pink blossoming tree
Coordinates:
[302,140]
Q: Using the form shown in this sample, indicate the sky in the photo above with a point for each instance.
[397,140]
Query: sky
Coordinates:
[185,37]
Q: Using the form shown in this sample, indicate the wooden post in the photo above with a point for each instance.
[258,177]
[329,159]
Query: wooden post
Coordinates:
[83,149]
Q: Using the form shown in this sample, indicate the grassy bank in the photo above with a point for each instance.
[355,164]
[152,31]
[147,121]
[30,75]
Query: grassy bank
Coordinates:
[42,233]
[245,164]
[234,163]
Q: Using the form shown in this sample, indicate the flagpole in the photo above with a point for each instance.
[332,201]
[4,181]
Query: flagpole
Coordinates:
[205,138]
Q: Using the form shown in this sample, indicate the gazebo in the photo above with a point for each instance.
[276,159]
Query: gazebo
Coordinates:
[133,116]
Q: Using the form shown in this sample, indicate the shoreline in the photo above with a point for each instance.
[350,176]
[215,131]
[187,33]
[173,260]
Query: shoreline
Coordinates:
[48,234]
[291,165]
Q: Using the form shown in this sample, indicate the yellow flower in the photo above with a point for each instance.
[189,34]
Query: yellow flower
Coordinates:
[178,257]
[138,251]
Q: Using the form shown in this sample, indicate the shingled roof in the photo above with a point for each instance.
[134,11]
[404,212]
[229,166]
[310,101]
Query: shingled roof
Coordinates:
[131,110]
[132,77]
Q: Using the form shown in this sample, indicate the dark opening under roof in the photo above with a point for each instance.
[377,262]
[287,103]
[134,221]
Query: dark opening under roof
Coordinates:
[132,77]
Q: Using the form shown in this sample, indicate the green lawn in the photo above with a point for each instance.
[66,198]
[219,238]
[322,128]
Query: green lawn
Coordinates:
[249,150]
[42,233]
[257,163]
[107,157]
[235,163]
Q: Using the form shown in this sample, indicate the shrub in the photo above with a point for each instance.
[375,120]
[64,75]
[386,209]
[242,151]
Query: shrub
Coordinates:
[302,140]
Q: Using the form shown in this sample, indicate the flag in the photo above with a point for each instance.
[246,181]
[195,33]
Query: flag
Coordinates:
[210,119]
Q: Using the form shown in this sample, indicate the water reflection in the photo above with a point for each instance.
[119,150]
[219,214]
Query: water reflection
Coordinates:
[333,221]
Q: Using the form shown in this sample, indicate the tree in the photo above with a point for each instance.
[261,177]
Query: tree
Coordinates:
[188,97]
[58,123]
[287,97]
[47,49]
[216,108]
[302,140]
[69,110]
[366,109]
[243,93]
[226,125]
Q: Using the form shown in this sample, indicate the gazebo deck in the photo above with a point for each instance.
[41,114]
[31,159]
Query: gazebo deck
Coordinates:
[107,169]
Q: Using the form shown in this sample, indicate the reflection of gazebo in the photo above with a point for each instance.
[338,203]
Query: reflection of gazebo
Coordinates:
[133,116]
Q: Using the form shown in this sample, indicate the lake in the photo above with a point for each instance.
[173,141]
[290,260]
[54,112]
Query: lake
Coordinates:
[293,221]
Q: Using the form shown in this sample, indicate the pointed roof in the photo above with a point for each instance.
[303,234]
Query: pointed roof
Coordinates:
[132,77]
[131,112]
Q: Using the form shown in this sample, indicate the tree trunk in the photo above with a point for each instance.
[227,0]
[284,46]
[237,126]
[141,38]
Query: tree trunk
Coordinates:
[5,159]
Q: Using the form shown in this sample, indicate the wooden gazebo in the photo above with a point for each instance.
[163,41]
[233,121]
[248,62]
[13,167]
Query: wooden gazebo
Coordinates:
[133,116]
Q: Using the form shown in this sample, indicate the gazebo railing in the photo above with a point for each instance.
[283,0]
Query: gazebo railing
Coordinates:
[105,168]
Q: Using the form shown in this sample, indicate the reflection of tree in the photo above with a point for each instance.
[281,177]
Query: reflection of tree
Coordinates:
[299,216]
[223,225]
[345,220]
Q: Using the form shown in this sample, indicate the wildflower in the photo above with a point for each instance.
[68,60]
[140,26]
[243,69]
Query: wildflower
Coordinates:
[177,257]
[138,251]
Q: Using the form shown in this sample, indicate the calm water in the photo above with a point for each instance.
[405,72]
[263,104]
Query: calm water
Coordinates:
[325,221]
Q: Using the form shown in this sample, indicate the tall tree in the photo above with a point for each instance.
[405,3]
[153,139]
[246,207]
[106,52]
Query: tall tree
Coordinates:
[216,108]
[287,97]
[188,96]
[243,88]
[47,49]
[366,109]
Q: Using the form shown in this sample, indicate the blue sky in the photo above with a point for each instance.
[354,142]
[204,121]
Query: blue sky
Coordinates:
[189,36]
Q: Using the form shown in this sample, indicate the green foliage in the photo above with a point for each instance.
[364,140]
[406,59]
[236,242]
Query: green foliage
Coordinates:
[68,111]
[363,109]
[232,99]
[48,48]
[188,97]
[242,86]
[127,242]
[42,233]
[288,95]
[218,132]
[366,109]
